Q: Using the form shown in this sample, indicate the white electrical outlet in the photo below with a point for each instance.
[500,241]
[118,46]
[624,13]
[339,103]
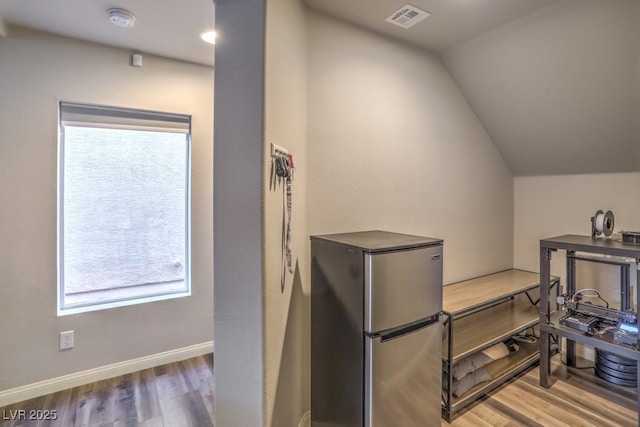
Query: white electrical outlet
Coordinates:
[66,340]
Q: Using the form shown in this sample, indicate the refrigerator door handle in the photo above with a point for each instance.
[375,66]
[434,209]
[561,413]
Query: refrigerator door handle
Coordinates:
[405,330]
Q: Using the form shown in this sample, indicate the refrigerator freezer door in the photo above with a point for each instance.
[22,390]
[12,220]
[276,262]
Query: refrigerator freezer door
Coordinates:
[402,287]
[403,379]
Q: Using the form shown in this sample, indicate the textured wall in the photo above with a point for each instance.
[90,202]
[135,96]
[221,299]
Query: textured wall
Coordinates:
[286,322]
[118,230]
[548,206]
[261,323]
[37,71]
[238,241]
[394,145]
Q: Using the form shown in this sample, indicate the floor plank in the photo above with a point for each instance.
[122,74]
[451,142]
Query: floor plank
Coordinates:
[147,404]
[125,413]
[176,395]
[576,398]
[182,394]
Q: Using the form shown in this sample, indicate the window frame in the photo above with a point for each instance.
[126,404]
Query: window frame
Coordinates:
[139,120]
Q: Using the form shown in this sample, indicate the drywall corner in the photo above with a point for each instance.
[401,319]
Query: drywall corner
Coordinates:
[238,238]
[286,318]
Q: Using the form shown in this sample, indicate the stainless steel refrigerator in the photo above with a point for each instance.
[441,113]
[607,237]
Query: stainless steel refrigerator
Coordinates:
[376,336]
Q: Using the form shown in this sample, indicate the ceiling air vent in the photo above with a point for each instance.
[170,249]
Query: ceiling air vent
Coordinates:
[407,16]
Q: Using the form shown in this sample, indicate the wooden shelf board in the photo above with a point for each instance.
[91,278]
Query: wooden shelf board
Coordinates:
[483,291]
[492,325]
[500,371]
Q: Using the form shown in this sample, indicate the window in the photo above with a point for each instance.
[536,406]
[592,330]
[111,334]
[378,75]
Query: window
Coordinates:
[123,207]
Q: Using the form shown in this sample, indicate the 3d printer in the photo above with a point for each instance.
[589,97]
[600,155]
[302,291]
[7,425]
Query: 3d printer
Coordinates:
[584,312]
[596,319]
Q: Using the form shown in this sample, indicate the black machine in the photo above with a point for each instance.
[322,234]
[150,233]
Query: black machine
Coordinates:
[580,322]
[598,319]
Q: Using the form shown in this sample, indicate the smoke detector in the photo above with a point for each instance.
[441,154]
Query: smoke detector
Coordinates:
[122,18]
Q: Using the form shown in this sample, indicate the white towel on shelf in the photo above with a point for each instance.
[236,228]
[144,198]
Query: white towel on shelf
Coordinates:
[497,351]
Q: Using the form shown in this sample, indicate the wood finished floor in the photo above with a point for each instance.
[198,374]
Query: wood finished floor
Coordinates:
[178,394]
[181,394]
[576,398]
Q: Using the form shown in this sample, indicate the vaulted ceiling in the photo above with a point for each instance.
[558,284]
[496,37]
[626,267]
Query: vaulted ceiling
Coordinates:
[451,21]
[558,91]
[556,83]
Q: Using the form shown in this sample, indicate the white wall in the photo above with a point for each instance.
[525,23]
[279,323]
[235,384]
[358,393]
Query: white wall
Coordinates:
[261,339]
[286,319]
[394,145]
[238,221]
[37,70]
[548,206]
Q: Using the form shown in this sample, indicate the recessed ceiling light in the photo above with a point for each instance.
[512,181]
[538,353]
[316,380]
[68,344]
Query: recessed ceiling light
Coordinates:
[122,18]
[209,37]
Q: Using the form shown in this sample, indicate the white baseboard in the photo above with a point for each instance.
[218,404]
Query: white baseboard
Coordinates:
[305,421]
[30,391]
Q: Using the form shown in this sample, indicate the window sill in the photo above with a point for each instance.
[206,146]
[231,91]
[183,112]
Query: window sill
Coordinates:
[113,298]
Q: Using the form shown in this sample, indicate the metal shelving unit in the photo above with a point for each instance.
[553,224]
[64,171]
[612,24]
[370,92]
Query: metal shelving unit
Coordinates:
[549,317]
[479,313]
